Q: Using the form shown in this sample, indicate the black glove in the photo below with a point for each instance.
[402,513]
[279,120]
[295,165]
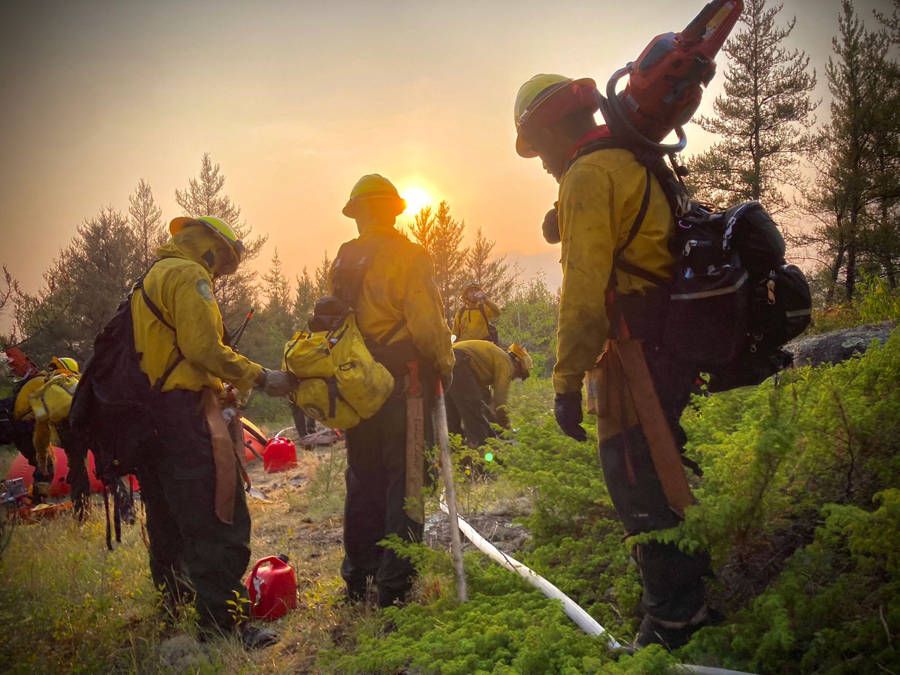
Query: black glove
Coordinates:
[568,415]
[276,382]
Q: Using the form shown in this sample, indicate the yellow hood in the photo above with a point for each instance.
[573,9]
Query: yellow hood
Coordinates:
[193,243]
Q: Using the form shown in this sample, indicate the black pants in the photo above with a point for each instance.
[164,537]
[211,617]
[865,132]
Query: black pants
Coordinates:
[303,424]
[76,454]
[673,581]
[376,494]
[468,410]
[191,550]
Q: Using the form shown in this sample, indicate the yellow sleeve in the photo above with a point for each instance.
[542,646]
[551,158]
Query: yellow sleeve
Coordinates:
[500,387]
[588,225]
[457,322]
[491,311]
[199,331]
[423,311]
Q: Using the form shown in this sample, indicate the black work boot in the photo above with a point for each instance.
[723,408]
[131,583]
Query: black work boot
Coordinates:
[253,636]
[670,635]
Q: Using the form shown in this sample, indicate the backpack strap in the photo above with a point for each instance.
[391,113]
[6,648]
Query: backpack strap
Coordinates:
[350,274]
[651,165]
[179,357]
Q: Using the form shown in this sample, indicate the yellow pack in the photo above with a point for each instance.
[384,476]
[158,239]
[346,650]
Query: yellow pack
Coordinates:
[340,383]
[51,402]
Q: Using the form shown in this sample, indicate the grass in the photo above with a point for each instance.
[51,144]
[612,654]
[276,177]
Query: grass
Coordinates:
[69,605]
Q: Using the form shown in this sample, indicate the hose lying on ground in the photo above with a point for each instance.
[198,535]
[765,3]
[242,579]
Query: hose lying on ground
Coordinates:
[584,620]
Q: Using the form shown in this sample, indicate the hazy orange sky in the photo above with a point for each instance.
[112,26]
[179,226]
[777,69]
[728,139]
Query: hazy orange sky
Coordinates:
[296,100]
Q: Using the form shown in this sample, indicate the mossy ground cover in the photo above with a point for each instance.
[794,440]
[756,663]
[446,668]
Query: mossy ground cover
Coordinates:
[799,506]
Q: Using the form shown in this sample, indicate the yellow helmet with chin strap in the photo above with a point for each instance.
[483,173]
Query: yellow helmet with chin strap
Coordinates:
[217,225]
[64,363]
[374,186]
[521,355]
[546,99]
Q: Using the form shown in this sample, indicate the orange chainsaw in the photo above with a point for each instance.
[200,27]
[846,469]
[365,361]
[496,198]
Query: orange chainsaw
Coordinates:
[665,82]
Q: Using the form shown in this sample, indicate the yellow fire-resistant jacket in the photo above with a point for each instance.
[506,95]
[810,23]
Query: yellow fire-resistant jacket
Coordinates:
[470,323]
[181,287]
[22,404]
[399,286]
[599,197]
[492,367]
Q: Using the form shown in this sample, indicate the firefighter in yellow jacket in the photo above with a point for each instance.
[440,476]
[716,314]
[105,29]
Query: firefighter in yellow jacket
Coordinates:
[390,283]
[480,388]
[603,192]
[49,403]
[473,321]
[197,518]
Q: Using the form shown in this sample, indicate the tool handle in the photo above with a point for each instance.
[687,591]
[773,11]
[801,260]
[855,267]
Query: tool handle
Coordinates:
[440,428]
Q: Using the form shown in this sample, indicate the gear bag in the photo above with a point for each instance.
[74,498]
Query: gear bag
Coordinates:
[114,402]
[733,299]
[732,296]
[51,403]
[340,382]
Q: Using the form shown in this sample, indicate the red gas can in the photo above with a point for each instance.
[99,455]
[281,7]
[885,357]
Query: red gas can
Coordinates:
[280,454]
[272,586]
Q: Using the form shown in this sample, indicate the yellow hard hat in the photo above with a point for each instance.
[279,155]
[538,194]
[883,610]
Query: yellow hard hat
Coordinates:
[373,186]
[217,225]
[64,363]
[522,356]
[546,99]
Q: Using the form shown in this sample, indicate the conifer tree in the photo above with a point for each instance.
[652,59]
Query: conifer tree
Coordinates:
[277,294]
[81,290]
[204,196]
[761,121]
[304,299]
[494,275]
[441,236]
[145,221]
[855,196]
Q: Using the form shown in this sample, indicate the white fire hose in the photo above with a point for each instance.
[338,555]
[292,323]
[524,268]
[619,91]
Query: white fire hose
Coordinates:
[584,620]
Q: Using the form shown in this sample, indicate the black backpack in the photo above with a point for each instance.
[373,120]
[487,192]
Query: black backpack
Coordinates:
[733,299]
[113,406]
[493,333]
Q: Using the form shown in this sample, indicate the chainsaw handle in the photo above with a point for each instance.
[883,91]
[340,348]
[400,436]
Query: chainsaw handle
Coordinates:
[621,121]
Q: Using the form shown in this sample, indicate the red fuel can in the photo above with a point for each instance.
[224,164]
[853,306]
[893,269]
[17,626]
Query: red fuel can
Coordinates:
[280,454]
[272,586]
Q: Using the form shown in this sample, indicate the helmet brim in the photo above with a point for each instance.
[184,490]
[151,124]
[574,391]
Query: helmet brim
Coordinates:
[536,111]
[351,207]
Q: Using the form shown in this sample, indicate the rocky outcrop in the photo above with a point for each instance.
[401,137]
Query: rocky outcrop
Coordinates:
[838,345]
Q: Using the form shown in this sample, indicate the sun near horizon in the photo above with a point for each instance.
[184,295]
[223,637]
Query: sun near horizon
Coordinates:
[417,198]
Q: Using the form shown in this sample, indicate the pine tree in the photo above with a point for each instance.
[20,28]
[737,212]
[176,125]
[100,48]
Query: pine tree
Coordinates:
[145,221]
[204,197]
[81,290]
[441,236]
[277,294]
[493,274]
[321,276]
[304,299]
[762,119]
[855,197]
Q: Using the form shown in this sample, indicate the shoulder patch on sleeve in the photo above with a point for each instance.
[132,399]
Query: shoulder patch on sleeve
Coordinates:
[204,289]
